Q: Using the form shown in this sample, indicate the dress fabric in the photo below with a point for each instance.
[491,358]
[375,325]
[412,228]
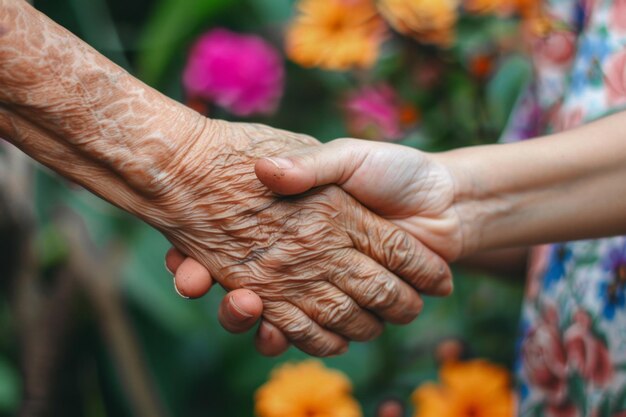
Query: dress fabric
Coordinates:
[572,348]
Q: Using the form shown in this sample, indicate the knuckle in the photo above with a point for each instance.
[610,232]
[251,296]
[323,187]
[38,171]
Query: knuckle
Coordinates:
[300,330]
[399,252]
[383,293]
[335,310]
[285,317]
[433,275]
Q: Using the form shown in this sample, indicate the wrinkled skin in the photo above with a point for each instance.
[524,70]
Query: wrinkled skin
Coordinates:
[304,248]
[326,268]
[412,189]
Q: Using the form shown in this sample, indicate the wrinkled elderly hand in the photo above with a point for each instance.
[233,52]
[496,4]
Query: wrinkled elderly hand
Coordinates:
[412,189]
[325,267]
[315,261]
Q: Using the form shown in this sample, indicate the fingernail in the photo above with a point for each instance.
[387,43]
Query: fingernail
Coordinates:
[281,163]
[167,269]
[239,310]
[265,332]
[177,290]
[445,287]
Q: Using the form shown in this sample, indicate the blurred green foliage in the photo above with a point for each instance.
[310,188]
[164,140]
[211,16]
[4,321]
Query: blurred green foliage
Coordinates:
[198,368]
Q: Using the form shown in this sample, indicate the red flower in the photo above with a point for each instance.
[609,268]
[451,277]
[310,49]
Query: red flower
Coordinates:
[615,78]
[586,353]
[566,410]
[481,66]
[544,358]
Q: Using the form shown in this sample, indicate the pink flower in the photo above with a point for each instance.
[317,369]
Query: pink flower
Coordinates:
[241,73]
[539,261]
[587,353]
[555,48]
[377,113]
[567,119]
[544,359]
[615,78]
[617,16]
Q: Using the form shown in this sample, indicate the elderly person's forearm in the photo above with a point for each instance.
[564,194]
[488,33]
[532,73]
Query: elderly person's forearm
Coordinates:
[326,268]
[52,83]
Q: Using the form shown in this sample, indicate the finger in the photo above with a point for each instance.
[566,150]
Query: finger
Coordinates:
[334,163]
[173,259]
[192,280]
[270,341]
[302,331]
[334,310]
[331,163]
[240,310]
[376,289]
[399,252]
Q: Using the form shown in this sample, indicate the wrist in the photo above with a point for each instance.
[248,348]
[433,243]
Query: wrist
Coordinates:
[478,201]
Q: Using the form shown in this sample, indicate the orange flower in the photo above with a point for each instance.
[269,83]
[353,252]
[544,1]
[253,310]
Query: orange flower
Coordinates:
[502,7]
[488,6]
[335,34]
[468,389]
[306,389]
[528,8]
[428,21]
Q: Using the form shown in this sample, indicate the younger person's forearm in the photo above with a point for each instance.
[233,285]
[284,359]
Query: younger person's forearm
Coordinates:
[569,186]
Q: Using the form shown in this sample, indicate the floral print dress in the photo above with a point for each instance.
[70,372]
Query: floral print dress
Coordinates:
[572,352]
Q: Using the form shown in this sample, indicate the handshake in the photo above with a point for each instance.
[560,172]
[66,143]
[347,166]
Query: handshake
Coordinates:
[325,241]
[346,235]
[322,268]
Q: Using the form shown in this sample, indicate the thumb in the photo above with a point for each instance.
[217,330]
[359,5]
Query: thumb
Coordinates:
[330,163]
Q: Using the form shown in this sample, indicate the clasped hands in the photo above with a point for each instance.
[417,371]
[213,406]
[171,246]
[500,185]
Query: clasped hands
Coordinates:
[413,194]
[324,241]
[326,268]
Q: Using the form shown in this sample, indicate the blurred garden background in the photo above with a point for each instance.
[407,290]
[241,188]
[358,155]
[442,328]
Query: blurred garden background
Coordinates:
[90,324]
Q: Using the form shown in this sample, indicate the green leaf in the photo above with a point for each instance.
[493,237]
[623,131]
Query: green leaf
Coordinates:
[169,27]
[9,386]
[51,246]
[274,11]
[576,388]
[604,409]
[98,29]
[504,88]
[150,286]
[620,399]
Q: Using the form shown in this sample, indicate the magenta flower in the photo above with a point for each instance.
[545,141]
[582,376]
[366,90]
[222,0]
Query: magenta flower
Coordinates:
[242,73]
[377,113]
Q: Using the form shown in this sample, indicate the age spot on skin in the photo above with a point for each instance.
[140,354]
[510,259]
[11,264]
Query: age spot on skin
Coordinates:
[3,31]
